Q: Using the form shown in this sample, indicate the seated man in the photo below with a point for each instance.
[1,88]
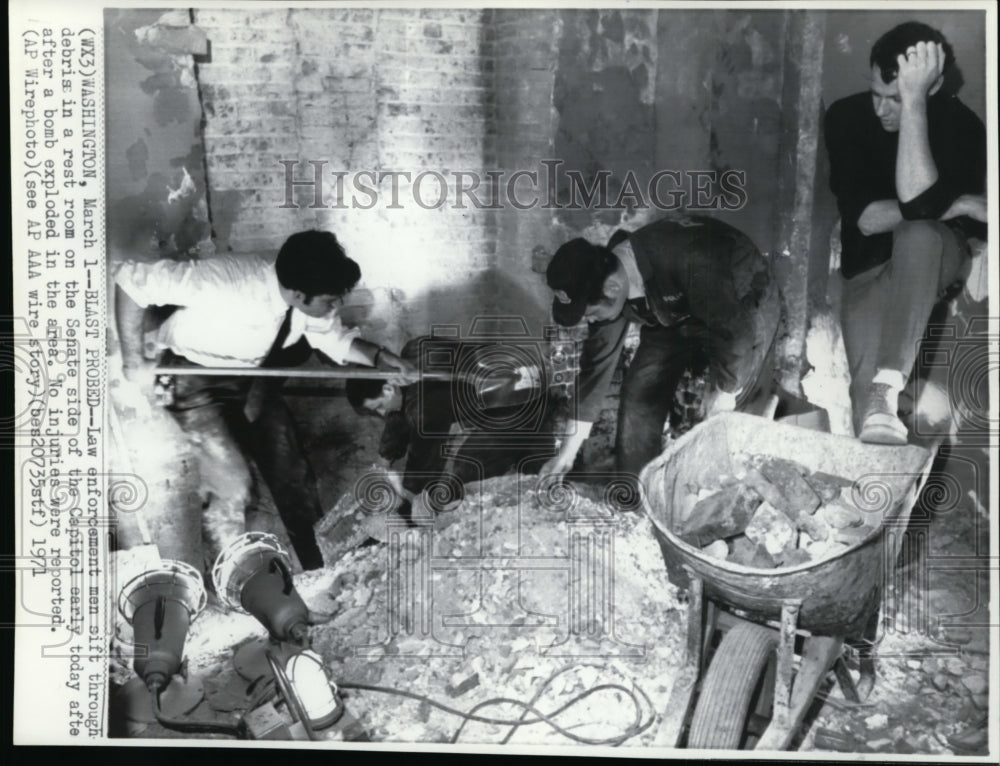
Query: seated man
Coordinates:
[908,167]
[244,311]
[489,417]
[704,296]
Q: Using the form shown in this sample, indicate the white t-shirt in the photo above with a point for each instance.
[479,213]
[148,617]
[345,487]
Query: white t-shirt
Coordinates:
[230,310]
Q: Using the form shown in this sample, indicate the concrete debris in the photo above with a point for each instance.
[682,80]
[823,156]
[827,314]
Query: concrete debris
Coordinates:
[773,513]
[716,550]
[840,516]
[789,478]
[754,478]
[364,512]
[793,557]
[719,515]
[826,485]
[813,527]
[877,721]
[876,744]
[955,666]
[749,554]
[771,528]
[940,682]
[975,683]
[460,685]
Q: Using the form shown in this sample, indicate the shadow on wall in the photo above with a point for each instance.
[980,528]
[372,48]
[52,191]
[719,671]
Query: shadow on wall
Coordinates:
[491,294]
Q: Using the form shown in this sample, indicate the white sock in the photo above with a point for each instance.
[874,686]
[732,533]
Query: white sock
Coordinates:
[895,381]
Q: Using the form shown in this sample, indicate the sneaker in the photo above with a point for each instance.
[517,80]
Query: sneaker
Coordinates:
[881,425]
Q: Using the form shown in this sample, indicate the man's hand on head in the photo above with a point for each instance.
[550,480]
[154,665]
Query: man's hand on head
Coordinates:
[919,69]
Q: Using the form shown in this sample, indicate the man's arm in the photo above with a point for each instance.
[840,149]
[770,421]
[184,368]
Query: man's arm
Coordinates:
[919,70]
[880,216]
[129,317]
[598,359]
[365,352]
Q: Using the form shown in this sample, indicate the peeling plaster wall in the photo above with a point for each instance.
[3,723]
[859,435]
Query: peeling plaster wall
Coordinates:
[155,158]
[525,47]
[156,207]
[604,93]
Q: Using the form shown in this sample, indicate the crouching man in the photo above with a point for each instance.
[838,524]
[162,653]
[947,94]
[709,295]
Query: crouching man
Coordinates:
[704,297]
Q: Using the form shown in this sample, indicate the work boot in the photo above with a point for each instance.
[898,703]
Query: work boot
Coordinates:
[881,424]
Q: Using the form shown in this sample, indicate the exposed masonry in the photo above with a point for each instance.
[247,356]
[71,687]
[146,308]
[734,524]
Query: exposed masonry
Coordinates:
[395,90]
[360,89]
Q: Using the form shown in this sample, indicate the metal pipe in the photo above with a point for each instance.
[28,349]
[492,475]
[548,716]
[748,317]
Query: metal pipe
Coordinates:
[342,373]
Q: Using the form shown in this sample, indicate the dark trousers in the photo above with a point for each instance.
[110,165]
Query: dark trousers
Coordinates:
[210,410]
[647,394]
[660,361]
[885,310]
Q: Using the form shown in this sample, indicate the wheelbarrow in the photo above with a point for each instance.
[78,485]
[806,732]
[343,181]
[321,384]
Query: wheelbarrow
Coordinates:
[760,642]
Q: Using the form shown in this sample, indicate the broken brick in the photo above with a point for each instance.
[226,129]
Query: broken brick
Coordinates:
[771,528]
[840,516]
[771,494]
[720,515]
[826,485]
[812,526]
[749,554]
[460,686]
[716,550]
[787,476]
[794,556]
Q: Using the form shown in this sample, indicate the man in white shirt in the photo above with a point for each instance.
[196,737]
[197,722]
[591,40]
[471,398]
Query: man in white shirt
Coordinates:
[242,311]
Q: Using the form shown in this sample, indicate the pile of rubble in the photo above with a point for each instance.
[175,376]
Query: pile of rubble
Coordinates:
[534,599]
[772,512]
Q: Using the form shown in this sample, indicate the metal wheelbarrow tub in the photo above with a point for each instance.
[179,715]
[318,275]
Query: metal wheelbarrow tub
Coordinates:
[836,594]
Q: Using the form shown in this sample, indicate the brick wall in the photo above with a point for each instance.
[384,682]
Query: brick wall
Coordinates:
[525,48]
[357,90]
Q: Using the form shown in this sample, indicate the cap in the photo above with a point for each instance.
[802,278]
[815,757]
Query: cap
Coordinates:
[576,273]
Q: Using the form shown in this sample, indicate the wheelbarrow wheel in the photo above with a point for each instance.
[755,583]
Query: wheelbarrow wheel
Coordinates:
[733,683]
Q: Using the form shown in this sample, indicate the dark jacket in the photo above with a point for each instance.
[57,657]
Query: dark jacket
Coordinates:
[706,279]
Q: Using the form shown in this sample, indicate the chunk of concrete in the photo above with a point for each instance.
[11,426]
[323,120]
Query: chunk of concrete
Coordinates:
[720,515]
[355,519]
[771,494]
[839,515]
[771,528]
[461,684]
[812,526]
[749,554]
[794,556]
[826,485]
[787,476]
[716,550]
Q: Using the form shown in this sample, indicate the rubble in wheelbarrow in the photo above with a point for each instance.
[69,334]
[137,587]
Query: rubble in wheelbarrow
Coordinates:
[772,512]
